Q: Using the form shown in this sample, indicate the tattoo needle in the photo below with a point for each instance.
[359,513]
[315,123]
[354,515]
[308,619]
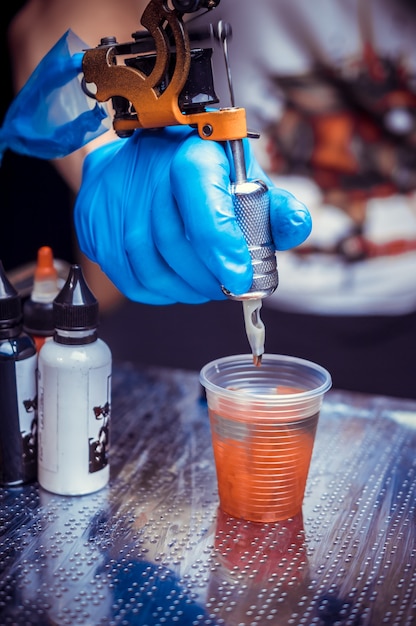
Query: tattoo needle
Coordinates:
[252,211]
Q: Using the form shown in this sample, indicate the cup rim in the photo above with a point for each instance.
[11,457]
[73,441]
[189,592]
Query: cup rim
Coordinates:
[264,397]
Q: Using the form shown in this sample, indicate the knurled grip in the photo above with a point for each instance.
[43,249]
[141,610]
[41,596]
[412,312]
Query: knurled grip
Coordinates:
[252,210]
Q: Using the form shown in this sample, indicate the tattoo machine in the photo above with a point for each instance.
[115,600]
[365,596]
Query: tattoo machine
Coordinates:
[158,80]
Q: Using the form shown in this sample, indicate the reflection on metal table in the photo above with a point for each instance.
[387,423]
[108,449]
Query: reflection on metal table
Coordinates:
[153,548]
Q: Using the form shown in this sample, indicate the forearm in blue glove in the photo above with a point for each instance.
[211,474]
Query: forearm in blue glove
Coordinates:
[51,116]
[155,212]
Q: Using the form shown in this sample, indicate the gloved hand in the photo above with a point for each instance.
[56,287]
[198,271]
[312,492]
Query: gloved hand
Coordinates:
[155,212]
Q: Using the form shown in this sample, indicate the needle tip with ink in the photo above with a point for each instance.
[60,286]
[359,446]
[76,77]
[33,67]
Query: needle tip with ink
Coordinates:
[257,359]
[254,328]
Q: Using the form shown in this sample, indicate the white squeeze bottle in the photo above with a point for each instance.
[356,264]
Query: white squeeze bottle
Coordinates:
[74,395]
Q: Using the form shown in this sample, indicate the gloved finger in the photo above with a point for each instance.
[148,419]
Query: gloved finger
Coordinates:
[105,245]
[170,239]
[116,264]
[118,202]
[151,268]
[290,220]
[200,177]
[147,202]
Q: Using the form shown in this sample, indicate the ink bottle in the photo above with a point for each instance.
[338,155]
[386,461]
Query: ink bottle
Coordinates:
[18,410]
[74,392]
[38,308]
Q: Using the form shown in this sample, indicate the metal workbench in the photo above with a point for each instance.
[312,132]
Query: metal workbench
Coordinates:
[153,548]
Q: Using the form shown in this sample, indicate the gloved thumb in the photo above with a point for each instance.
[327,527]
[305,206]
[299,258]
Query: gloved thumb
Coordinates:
[290,220]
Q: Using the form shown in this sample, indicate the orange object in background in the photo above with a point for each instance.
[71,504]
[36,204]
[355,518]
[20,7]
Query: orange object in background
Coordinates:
[39,341]
[45,270]
[38,309]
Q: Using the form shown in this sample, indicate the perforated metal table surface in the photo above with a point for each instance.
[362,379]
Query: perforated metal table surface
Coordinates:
[153,548]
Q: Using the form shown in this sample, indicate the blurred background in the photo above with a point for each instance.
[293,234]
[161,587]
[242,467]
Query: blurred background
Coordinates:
[371,352]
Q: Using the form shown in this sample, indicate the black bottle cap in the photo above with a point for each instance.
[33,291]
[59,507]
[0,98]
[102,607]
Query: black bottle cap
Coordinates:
[75,307]
[10,303]
[38,318]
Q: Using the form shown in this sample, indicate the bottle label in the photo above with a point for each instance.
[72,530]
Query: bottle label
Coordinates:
[74,422]
[99,422]
[18,420]
[27,403]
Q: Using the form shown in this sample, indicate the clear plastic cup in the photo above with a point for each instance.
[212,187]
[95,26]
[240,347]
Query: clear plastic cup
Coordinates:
[263,424]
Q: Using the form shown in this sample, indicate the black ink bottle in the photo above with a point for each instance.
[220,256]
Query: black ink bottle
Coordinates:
[18,410]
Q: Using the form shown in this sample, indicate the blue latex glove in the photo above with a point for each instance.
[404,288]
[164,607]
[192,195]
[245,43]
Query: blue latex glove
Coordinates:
[51,116]
[155,212]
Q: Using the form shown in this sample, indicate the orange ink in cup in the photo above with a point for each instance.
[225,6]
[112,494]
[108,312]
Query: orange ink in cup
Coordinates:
[262,474]
[262,433]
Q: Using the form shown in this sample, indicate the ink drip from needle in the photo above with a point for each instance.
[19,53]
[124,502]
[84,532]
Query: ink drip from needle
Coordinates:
[254,328]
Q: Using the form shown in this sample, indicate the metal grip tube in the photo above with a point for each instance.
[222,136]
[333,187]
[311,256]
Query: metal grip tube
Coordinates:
[251,205]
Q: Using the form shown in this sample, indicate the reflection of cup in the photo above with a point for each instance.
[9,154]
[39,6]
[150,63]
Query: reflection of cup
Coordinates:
[263,424]
[277,549]
[260,571]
